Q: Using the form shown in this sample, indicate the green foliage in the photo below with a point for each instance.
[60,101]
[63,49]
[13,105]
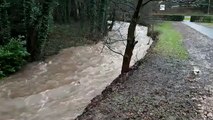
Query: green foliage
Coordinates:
[203,3]
[4,22]
[63,9]
[12,56]
[93,15]
[92,12]
[45,25]
[97,11]
[170,42]
[102,22]
[32,13]
[206,19]
[37,19]
[170,17]
[31,18]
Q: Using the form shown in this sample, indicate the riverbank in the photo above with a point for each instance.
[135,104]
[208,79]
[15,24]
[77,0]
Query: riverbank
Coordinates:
[162,88]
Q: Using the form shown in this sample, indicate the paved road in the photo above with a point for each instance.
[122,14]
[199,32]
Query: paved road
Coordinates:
[202,29]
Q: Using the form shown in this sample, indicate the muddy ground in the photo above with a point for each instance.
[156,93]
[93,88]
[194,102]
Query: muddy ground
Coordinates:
[162,88]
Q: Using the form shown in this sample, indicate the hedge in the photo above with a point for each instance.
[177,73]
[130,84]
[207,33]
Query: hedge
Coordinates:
[169,17]
[206,19]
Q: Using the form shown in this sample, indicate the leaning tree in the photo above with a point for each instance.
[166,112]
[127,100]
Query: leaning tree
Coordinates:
[131,42]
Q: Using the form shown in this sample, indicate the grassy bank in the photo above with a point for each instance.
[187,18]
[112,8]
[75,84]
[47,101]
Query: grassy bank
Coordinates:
[170,42]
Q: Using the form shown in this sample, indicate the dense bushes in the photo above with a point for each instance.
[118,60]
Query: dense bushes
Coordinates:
[169,17]
[207,19]
[12,56]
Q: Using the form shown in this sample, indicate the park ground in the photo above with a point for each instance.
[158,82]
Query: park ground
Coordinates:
[164,86]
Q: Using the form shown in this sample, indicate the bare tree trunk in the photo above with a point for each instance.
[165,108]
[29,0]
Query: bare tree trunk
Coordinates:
[32,42]
[74,9]
[112,19]
[131,39]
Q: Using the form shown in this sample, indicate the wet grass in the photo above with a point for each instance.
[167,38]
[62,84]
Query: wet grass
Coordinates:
[187,19]
[170,42]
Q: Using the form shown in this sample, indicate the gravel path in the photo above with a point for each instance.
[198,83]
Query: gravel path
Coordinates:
[162,88]
[200,48]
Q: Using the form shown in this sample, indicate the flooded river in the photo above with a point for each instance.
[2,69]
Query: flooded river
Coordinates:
[62,86]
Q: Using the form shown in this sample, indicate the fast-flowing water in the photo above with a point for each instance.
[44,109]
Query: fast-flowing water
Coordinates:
[61,87]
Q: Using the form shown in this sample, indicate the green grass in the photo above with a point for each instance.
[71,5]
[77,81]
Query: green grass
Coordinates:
[187,19]
[170,42]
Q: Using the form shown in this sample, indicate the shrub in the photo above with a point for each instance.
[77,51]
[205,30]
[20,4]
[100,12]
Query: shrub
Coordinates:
[12,56]
[170,17]
[207,19]
[194,18]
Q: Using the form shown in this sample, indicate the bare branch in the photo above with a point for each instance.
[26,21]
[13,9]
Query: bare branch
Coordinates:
[129,4]
[148,2]
[102,49]
[114,41]
[114,50]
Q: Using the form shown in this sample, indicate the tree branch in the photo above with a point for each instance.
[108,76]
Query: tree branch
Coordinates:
[114,50]
[147,2]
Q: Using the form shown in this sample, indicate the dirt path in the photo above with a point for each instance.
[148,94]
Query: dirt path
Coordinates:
[200,48]
[162,88]
[61,87]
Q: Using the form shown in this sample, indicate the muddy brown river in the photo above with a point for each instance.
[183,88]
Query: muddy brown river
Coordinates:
[62,86]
